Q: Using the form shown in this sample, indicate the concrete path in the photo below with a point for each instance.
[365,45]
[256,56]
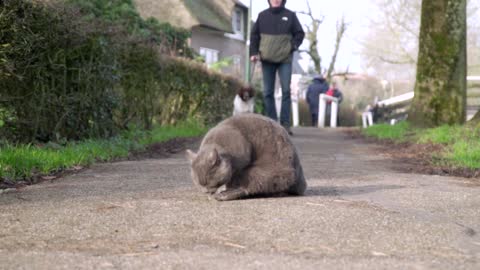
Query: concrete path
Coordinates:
[358,213]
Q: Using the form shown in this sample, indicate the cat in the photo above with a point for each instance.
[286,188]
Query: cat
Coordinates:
[251,155]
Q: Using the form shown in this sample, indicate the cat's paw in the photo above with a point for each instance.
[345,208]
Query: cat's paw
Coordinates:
[229,195]
[222,196]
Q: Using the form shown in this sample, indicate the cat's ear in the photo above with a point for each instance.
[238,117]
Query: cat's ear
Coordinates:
[191,156]
[213,157]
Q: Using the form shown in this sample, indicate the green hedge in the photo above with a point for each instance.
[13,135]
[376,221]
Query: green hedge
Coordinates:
[55,80]
[170,89]
[65,75]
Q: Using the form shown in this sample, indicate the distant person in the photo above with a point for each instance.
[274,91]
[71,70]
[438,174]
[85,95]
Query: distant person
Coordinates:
[334,92]
[375,113]
[318,86]
[367,116]
[276,34]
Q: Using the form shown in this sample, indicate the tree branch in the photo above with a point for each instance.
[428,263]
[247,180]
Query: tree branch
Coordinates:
[396,62]
[341,28]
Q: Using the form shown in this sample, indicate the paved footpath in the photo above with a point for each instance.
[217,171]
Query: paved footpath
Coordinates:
[358,213]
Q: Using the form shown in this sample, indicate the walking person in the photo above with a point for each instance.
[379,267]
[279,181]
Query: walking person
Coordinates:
[318,86]
[276,34]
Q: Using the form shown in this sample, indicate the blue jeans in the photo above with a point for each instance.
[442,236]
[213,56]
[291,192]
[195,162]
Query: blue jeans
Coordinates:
[269,71]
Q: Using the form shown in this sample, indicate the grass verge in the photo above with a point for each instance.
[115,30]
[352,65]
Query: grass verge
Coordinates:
[20,162]
[461,143]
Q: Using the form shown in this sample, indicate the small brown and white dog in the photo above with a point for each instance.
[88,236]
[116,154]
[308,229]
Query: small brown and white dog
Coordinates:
[244,100]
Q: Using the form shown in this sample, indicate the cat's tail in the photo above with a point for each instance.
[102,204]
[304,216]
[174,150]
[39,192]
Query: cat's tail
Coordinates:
[299,187]
[300,184]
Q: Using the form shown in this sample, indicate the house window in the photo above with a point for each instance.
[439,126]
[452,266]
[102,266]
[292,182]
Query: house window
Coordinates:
[210,55]
[237,21]
[238,24]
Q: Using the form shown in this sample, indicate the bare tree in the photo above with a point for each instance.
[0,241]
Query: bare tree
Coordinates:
[341,28]
[391,46]
[312,31]
[312,37]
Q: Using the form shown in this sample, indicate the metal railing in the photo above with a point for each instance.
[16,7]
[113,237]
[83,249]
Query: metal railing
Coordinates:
[396,108]
[322,110]
[323,99]
[389,110]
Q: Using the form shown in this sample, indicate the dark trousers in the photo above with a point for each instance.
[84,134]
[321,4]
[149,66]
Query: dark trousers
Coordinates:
[314,119]
[269,71]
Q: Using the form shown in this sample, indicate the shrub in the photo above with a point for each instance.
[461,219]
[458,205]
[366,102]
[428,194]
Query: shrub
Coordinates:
[168,39]
[173,90]
[86,71]
[304,113]
[54,81]
[348,116]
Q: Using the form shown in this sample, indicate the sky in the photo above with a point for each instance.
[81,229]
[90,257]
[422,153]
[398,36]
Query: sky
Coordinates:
[357,14]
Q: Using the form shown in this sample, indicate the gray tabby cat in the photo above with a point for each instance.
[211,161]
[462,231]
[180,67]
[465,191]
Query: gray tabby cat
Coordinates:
[249,154]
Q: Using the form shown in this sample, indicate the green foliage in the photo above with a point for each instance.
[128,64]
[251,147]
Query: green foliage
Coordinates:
[22,161]
[384,131]
[88,72]
[165,90]
[122,11]
[170,40]
[462,143]
[55,82]
[222,63]
[139,85]
[259,102]
[463,147]
[187,128]
[441,135]
[464,154]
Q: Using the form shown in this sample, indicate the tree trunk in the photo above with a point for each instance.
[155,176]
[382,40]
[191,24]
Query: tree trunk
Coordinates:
[313,52]
[440,88]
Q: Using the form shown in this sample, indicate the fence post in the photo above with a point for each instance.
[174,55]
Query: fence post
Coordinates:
[321,111]
[333,114]
[295,114]
[278,102]
[367,119]
[322,100]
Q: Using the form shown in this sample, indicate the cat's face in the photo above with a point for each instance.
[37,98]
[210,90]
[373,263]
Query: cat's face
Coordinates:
[209,170]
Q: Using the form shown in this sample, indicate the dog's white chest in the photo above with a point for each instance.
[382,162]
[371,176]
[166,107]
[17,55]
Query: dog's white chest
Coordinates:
[240,106]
